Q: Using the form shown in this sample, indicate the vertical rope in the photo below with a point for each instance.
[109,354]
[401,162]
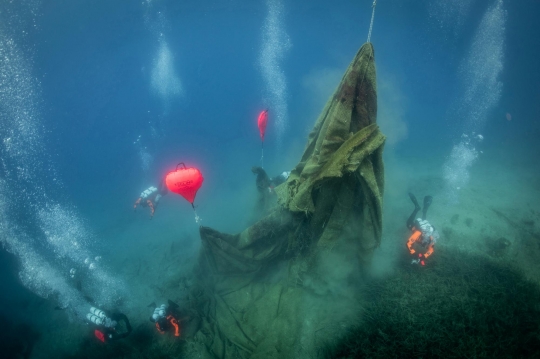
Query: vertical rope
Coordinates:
[262,155]
[372,17]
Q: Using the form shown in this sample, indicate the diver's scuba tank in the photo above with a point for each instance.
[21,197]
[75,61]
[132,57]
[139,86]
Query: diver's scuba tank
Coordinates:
[98,312]
[98,317]
[94,319]
[159,312]
[429,233]
[148,192]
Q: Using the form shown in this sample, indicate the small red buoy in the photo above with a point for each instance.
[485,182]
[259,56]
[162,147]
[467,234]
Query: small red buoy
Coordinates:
[261,122]
[99,335]
[185,182]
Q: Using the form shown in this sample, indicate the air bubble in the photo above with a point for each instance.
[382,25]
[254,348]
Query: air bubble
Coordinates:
[275,44]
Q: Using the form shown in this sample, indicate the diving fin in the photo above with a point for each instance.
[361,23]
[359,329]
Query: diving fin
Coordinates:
[427,203]
[89,299]
[172,304]
[414,201]
[151,305]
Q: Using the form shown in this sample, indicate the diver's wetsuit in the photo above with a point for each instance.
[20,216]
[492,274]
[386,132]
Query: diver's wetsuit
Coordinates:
[412,217]
[265,183]
[120,317]
[265,188]
[105,334]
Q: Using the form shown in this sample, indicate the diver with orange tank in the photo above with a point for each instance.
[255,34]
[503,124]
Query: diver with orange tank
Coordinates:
[421,243]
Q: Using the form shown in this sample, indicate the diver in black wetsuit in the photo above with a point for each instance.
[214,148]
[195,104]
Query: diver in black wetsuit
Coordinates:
[427,202]
[107,325]
[265,188]
[265,183]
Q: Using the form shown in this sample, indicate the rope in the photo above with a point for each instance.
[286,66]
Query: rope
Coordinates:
[262,154]
[372,17]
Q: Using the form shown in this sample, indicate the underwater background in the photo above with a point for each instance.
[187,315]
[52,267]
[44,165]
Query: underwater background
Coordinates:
[100,99]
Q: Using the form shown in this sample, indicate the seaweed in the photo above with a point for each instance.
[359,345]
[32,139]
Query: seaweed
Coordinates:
[459,306]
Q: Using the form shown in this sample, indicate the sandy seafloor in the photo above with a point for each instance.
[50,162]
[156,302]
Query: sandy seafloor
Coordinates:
[154,257]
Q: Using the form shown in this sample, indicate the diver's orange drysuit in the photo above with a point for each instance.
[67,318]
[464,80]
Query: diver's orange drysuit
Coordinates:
[148,203]
[161,326]
[416,237]
[423,232]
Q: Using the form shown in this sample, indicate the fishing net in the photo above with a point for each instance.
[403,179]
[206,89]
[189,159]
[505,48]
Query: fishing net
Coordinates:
[285,287]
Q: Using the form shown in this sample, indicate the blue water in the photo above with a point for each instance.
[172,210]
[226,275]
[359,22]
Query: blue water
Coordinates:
[102,98]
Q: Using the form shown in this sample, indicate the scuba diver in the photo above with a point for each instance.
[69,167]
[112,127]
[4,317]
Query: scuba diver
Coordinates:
[151,196]
[165,318]
[265,183]
[422,241]
[109,327]
[265,188]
